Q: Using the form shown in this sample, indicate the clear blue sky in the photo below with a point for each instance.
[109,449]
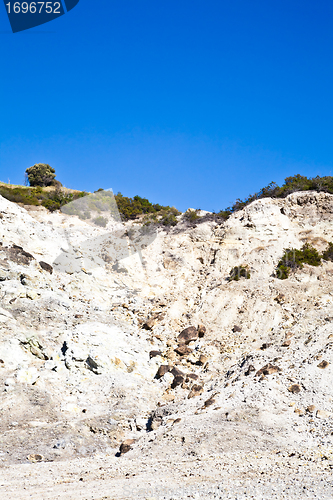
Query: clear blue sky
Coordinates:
[191,103]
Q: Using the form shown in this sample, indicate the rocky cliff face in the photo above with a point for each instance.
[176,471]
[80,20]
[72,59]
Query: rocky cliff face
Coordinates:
[87,321]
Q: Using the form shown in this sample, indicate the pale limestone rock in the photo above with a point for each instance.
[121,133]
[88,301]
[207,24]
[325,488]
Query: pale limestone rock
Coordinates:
[96,314]
[322,414]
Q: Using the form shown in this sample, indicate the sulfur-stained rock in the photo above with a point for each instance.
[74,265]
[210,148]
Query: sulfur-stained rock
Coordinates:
[32,294]
[35,457]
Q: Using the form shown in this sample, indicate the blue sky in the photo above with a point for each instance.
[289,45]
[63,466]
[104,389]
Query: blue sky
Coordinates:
[188,103]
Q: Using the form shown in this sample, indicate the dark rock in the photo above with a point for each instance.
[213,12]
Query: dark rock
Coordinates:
[295,388]
[237,328]
[250,369]
[19,256]
[176,372]
[153,354]
[310,408]
[152,320]
[209,402]
[280,298]
[47,267]
[286,343]
[183,350]
[187,335]
[202,360]
[126,446]
[196,390]
[91,364]
[192,376]
[268,369]
[163,369]
[149,324]
[201,330]
[323,364]
[178,380]
[265,346]
[154,422]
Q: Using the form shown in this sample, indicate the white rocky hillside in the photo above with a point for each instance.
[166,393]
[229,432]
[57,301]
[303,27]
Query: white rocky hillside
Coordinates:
[86,325]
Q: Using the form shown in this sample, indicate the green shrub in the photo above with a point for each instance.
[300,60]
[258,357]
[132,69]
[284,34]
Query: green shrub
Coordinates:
[168,216]
[85,215]
[52,200]
[328,253]
[191,215]
[130,208]
[19,195]
[51,205]
[224,214]
[291,184]
[169,220]
[100,221]
[294,259]
[238,272]
[41,174]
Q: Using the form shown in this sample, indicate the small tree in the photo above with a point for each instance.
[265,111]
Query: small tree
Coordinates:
[41,174]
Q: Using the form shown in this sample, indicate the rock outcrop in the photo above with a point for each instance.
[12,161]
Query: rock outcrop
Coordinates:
[102,351]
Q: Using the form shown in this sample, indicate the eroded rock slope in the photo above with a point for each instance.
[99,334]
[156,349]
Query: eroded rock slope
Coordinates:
[91,354]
